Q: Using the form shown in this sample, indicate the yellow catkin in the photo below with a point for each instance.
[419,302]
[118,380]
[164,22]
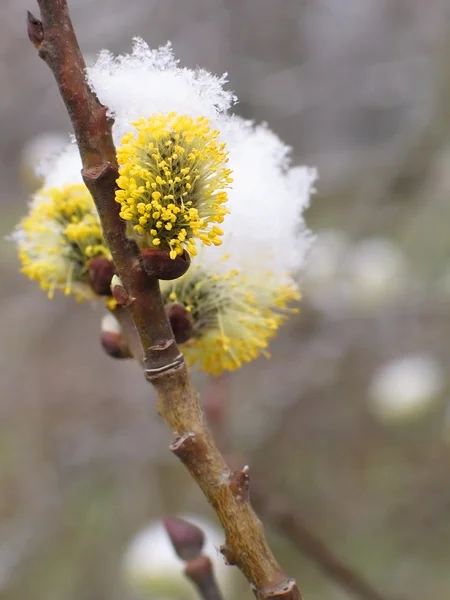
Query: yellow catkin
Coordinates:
[234,316]
[58,237]
[172,182]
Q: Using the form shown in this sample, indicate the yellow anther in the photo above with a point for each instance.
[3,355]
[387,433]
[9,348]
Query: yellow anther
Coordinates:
[173,162]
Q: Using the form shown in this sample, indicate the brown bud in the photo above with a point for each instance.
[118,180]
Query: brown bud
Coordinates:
[100,273]
[35,30]
[240,483]
[120,294]
[158,263]
[187,539]
[114,345]
[227,554]
[180,321]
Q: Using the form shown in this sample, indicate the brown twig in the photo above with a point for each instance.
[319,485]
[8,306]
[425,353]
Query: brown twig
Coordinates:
[277,512]
[245,544]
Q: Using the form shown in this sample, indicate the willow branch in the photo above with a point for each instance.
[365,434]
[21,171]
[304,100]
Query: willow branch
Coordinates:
[178,403]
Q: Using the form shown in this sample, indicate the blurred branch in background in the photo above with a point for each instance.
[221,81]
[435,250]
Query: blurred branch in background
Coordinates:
[277,512]
[274,508]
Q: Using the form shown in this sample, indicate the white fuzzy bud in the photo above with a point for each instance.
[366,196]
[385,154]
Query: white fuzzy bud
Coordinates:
[406,387]
[376,273]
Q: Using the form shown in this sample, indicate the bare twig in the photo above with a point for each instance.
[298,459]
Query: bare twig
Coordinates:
[277,512]
[245,544]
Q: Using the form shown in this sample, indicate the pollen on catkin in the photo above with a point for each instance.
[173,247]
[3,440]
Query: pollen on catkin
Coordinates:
[173,178]
[234,315]
[58,238]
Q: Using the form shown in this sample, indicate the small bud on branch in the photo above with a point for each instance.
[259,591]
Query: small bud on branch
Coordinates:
[159,264]
[240,484]
[180,321]
[187,539]
[35,30]
[114,345]
[113,341]
[119,293]
[100,273]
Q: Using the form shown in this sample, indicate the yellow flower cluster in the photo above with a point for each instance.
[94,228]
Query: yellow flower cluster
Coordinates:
[173,180]
[234,316]
[58,237]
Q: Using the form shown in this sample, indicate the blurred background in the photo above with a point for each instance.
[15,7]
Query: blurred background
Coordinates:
[349,422]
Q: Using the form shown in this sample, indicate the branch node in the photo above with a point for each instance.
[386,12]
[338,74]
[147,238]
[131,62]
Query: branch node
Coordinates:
[283,590]
[154,373]
[35,30]
[240,484]
[227,554]
[183,444]
[99,172]
[161,345]
[120,294]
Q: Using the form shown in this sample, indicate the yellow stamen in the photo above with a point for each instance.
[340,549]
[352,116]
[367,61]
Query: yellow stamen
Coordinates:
[234,316]
[173,171]
[57,239]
